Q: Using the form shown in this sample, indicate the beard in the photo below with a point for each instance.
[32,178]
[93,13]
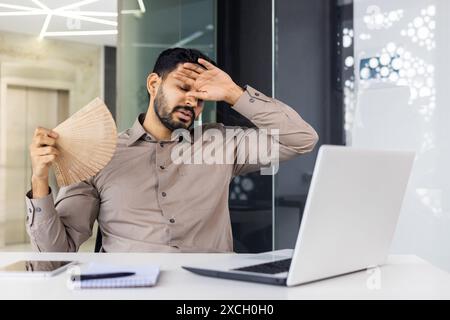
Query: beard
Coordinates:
[167,116]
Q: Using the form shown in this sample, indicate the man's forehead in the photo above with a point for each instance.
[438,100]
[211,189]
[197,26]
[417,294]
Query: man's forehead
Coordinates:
[171,74]
[181,64]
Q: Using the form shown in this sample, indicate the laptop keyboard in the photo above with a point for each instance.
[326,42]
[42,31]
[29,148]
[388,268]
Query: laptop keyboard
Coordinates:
[269,268]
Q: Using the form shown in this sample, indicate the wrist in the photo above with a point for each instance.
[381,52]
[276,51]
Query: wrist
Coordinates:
[234,94]
[39,179]
[39,187]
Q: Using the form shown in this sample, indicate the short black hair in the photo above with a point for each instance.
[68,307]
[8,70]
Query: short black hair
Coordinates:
[169,59]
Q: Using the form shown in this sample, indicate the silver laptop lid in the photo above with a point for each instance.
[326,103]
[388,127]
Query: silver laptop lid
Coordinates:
[351,211]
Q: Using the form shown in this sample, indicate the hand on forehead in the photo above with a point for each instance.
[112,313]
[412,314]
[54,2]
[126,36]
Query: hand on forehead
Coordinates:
[191,72]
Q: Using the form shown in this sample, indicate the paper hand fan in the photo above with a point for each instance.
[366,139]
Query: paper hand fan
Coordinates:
[87,141]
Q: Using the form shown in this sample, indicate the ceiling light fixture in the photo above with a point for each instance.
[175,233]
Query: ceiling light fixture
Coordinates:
[14,7]
[94,13]
[68,12]
[23,13]
[45,26]
[86,18]
[137,12]
[78,4]
[40,4]
[81,33]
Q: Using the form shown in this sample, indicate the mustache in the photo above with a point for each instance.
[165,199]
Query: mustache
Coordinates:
[184,108]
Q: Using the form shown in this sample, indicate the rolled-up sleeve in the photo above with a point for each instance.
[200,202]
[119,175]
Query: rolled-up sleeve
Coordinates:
[63,225]
[294,135]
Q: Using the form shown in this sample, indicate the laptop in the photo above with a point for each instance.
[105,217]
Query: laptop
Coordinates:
[348,224]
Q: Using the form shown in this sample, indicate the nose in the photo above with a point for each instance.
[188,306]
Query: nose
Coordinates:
[192,101]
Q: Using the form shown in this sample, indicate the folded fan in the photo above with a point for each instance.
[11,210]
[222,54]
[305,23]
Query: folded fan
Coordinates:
[87,141]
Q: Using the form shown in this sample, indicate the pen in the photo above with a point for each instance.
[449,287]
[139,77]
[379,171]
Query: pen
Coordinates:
[101,276]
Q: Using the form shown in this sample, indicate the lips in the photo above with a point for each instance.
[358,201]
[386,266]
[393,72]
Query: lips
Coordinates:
[185,115]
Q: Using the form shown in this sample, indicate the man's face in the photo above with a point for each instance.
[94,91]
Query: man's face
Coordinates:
[174,109]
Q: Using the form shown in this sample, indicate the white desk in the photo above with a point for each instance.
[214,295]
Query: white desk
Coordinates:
[404,277]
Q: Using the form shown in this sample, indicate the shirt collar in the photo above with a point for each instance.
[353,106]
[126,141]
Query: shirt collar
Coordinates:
[137,132]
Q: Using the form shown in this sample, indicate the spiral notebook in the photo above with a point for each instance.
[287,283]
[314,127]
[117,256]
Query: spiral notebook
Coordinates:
[145,276]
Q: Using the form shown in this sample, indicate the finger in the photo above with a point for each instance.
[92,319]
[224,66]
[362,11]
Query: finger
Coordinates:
[40,131]
[54,134]
[200,82]
[48,159]
[200,95]
[45,151]
[194,67]
[206,64]
[189,73]
[190,82]
[40,141]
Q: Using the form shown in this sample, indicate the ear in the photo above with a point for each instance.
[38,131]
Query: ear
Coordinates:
[153,82]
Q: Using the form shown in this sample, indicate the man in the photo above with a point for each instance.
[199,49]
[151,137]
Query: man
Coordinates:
[145,199]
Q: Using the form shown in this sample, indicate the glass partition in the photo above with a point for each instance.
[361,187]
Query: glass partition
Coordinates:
[397,98]
[164,24]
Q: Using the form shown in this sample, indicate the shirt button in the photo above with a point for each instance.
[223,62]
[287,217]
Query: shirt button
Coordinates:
[30,210]
[147,138]
[38,209]
[164,194]
[162,167]
[172,220]
[162,145]
[257,94]
[252,100]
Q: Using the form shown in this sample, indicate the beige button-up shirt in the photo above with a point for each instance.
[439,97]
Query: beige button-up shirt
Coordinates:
[144,201]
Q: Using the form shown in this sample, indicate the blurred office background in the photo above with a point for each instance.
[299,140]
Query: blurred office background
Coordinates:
[366,73]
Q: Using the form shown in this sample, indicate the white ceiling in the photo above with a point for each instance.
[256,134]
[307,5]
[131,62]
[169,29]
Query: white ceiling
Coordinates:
[29,17]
